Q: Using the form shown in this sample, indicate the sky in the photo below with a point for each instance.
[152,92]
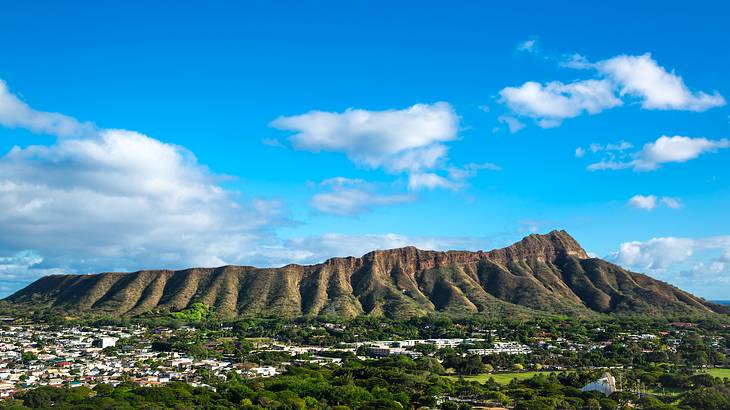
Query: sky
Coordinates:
[138,135]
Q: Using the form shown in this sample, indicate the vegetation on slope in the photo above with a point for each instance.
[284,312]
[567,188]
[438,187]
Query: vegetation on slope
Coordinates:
[547,273]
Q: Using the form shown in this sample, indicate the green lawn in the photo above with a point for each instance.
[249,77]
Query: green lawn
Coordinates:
[504,378]
[501,378]
[722,373]
[669,391]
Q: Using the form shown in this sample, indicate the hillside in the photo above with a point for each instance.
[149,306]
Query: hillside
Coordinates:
[549,273]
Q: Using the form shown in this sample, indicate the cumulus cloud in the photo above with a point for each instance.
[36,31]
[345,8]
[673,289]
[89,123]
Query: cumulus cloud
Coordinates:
[624,76]
[645,202]
[696,264]
[658,89]
[656,254]
[410,141]
[513,124]
[350,197]
[551,103]
[397,140]
[653,155]
[15,113]
[675,149]
[457,177]
[103,199]
[21,265]
[123,200]
[110,199]
[16,269]
[650,202]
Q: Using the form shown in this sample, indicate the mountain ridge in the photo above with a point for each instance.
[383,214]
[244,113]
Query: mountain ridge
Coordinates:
[540,273]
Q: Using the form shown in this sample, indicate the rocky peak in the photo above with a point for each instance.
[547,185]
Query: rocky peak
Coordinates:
[547,247]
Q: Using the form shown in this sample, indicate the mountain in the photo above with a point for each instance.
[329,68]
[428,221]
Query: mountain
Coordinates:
[548,273]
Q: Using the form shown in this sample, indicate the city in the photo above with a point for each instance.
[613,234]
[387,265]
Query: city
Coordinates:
[89,355]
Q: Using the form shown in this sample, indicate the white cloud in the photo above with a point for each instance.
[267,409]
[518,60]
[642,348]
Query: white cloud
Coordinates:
[470,170]
[695,264]
[664,150]
[14,113]
[417,159]
[646,202]
[620,146]
[656,254]
[429,180]
[123,200]
[611,150]
[671,203]
[553,102]
[650,202]
[22,265]
[18,268]
[106,199]
[397,140]
[605,164]
[642,77]
[618,77]
[315,249]
[456,180]
[675,149]
[410,141]
[529,46]
[349,197]
[513,123]
[102,199]
[576,61]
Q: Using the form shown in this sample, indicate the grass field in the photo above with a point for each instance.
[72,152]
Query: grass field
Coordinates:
[669,391]
[501,378]
[722,373]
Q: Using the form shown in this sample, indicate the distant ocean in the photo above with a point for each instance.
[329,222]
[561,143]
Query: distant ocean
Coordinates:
[721,302]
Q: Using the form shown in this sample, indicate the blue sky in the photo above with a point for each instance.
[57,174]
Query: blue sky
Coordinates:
[137,136]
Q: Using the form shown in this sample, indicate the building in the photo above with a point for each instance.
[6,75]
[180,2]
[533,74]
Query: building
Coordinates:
[606,385]
[104,342]
[264,371]
[503,347]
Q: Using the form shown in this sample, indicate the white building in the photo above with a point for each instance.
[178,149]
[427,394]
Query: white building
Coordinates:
[606,385]
[104,342]
[264,371]
[503,347]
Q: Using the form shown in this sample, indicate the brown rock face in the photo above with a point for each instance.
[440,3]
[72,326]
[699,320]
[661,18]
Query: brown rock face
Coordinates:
[549,273]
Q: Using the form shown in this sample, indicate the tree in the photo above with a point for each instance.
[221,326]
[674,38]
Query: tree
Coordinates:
[472,364]
[708,398]
[593,404]
[27,357]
